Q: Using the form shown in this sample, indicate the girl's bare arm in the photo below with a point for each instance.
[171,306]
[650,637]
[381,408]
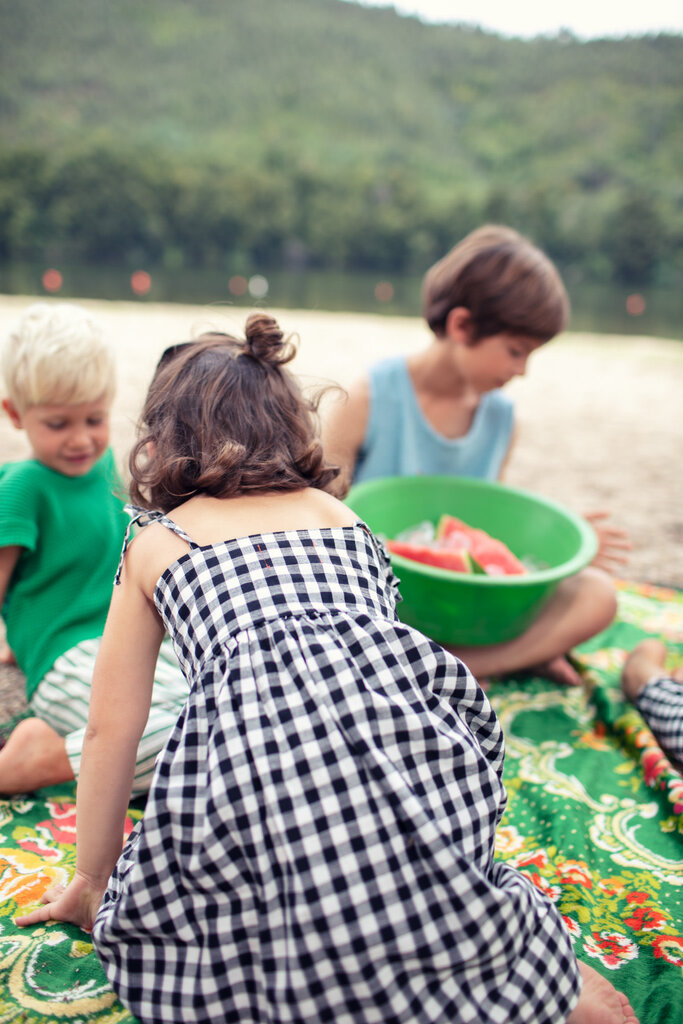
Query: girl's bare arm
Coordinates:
[119,707]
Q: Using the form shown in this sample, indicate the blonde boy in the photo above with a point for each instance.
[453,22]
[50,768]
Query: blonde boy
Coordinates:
[62,524]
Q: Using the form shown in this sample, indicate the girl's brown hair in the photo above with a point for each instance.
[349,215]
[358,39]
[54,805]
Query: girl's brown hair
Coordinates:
[224,417]
[504,281]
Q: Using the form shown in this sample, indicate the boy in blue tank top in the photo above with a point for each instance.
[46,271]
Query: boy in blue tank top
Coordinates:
[490,303]
[62,524]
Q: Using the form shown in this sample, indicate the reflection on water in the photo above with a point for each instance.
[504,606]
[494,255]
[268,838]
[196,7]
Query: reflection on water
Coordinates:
[599,308]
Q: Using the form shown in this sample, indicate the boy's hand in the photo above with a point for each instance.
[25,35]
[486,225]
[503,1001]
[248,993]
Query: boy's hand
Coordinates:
[77,903]
[7,655]
[612,542]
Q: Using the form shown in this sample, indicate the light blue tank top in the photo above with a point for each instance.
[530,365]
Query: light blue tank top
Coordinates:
[400,442]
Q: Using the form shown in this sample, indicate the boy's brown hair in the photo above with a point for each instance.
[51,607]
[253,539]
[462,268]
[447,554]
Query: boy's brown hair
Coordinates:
[224,417]
[504,281]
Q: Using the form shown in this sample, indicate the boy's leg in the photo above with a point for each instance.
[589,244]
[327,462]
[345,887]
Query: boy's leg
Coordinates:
[657,693]
[62,697]
[36,753]
[580,607]
[46,750]
[33,756]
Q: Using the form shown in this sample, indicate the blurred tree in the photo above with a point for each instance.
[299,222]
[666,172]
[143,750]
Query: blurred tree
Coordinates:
[330,135]
[25,207]
[634,239]
[105,209]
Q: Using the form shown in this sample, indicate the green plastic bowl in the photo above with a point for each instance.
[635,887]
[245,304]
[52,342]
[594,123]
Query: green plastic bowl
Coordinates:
[460,609]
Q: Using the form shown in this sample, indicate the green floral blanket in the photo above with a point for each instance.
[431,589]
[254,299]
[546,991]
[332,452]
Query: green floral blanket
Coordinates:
[594,818]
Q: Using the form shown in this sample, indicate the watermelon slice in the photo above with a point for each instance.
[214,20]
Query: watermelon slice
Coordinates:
[491,554]
[450,558]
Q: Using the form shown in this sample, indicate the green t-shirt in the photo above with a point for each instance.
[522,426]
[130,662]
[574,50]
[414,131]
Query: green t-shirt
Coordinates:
[71,530]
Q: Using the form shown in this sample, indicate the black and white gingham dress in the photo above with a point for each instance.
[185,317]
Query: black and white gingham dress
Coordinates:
[660,702]
[318,839]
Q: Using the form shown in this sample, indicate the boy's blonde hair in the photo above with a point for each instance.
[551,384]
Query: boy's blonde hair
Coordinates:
[57,355]
[504,281]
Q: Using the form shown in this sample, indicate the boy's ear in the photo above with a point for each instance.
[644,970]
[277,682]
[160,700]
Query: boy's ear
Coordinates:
[459,326]
[13,413]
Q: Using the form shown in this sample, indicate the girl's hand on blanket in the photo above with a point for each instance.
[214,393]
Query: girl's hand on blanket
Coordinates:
[77,903]
[612,541]
[600,1002]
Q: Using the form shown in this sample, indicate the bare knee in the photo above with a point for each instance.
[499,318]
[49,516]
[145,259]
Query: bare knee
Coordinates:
[595,597]
[603,595]
[34,756]
[30,730]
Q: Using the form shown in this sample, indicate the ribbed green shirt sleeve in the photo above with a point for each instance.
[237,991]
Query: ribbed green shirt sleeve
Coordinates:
[17,514]
[71,530]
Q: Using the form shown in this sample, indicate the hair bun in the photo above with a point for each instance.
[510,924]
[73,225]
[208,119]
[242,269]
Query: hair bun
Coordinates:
[265,340]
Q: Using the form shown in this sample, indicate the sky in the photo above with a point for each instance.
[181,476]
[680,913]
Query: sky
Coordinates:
[587,19]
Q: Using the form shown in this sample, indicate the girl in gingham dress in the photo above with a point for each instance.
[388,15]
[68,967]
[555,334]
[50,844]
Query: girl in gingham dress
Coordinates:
[318,840]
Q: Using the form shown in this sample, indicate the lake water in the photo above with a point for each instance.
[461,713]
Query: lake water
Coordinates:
[595,308]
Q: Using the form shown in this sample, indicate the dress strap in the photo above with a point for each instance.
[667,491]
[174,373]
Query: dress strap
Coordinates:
[143,517]
[384,560]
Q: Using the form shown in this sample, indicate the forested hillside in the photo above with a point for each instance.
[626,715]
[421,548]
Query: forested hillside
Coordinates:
[321,133]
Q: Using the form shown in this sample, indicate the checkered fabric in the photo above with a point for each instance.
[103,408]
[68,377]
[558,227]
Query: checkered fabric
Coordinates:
[318,840]
[660,703]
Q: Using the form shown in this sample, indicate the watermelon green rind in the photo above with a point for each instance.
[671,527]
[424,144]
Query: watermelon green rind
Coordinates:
[477,568]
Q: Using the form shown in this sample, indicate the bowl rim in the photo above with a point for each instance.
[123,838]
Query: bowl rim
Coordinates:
[588,538]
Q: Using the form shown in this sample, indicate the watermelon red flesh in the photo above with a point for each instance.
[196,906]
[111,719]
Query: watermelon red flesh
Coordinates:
[454,561]
[493,556]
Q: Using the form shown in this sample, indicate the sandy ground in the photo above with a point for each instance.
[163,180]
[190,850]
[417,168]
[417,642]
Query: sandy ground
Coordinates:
[600,418]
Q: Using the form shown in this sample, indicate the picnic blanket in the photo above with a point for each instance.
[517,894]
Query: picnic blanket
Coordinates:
[594,818]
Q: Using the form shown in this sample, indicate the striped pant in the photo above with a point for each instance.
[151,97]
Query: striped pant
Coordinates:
[660,702]
[62,698]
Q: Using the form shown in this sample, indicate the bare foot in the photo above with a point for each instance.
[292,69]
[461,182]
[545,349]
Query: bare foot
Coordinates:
[581,606]
[557,670]
[645,660]
[600,1002]
[33,756]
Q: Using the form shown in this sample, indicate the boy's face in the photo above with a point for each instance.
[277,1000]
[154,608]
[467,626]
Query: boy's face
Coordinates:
[66,438]
[492,362]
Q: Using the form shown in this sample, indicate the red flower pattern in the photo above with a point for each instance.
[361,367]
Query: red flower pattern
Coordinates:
[646,919]
[575,872]
[60,827]
[611,948]
[669,948]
